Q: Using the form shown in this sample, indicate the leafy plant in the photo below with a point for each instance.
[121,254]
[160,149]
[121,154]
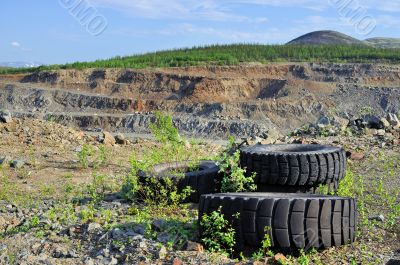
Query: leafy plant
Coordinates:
[164,130]
[84,154]
[265,246]
[102,156]
[218,234]
[130,187]
[162,192]
[303,259]
[234,178]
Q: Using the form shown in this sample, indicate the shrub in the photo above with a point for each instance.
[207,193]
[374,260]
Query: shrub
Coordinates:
[164,130]
[234,179]
[265,246]
[162,192]
[218,234]
[84,155]
[155,190]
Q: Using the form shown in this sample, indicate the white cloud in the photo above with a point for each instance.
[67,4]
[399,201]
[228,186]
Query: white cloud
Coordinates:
[220,9]
[210,10]
[387,21]
[15,44]
[271,35]
[18,46]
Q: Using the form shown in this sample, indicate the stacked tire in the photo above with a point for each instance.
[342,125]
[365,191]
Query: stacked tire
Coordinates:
[202,181]
[295,220]
[284,175]
[294,167]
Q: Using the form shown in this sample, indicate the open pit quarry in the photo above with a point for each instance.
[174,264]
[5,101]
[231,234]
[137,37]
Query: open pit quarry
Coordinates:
[206,102]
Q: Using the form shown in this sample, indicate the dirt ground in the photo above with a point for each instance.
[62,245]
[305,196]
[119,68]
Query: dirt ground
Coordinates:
[36,224]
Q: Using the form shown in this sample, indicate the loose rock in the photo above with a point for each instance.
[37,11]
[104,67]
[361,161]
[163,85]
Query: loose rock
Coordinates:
[18,163]
[5,116]
[108,139]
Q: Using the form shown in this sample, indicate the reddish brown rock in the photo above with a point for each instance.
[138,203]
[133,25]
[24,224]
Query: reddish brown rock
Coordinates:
[357,156]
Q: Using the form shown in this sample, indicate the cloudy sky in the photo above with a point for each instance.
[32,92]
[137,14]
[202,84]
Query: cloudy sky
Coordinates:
[59,31]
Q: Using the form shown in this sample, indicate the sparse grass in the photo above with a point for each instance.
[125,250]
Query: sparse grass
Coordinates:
[369,181]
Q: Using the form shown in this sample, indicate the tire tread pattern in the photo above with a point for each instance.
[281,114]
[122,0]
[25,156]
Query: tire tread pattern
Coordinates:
[295,222]
[309,170]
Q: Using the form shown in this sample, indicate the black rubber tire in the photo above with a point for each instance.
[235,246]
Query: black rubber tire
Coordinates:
[295,220]
[296,165]
[201,182]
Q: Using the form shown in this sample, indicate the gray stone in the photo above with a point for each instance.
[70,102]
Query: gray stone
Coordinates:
[194,246]
[120,139]
[372,122]
[3,160]
[162,253]
[5,116]
[158,224]
[164,237]
[393,119]
[142,245]
[108,139]
[323,121]
[130,233]
[379,218]
[116,233]
[341,123]
[140,229]
[17,163]
[92,227]
[385,122]
[78,149]
[380,132]
[113,261]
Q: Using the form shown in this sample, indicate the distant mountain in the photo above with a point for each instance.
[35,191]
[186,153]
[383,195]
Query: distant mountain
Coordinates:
[20,64]
[326,37]
[383,42]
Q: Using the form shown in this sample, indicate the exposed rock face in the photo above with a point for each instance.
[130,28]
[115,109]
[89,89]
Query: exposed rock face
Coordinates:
[213,102]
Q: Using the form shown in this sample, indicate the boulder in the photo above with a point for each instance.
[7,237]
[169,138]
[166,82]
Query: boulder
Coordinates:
[380,132]
[323,121]
[3,159]
[5,116]
[177,261]
[162,253]
[393,120]
[194,246]
[108,139]
[341,123]
[120,139]
[356,156]
[17,163]
[385,122]
[372,122]
[370,132]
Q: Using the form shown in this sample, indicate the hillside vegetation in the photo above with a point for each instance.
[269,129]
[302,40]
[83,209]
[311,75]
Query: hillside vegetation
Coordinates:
[384,42]
[233,55]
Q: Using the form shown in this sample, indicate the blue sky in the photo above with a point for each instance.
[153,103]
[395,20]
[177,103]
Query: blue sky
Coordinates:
[52,31]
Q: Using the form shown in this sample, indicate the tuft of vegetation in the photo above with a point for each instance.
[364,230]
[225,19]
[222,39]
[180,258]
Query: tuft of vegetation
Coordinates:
[84,154]
[164,130]
[234,178]
[265,249]
[171,148]
[218,234]
[232,55]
